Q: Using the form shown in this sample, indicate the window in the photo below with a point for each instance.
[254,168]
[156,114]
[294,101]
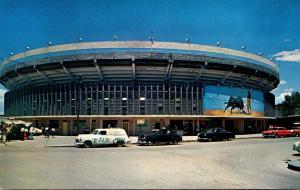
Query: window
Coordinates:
[95,132]
[102,132]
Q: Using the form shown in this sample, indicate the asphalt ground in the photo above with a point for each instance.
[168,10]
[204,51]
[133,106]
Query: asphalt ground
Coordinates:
[241,163]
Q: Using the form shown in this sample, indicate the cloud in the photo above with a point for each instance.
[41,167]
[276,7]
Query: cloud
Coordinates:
[287,40]
[282,82]
[280,97]
[293,55]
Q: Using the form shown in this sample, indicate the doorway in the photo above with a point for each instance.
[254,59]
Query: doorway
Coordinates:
[125,126]
[110,123]
[65,127]
[229,125]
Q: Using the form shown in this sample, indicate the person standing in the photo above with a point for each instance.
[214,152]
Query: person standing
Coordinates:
[31,133]
[52,131]
[22,133]
[249,102]
[47,132]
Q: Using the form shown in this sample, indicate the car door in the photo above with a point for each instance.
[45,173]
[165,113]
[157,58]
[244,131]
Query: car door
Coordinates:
[217,134]
[162,136]
[102,138]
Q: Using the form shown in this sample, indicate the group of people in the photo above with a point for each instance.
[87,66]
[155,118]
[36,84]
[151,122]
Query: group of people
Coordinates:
[47,131]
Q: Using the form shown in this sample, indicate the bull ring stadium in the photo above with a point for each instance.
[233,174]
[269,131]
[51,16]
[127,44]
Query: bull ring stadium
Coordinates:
[138,86]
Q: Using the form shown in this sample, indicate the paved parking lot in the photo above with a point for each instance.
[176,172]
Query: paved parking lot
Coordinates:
[241,163]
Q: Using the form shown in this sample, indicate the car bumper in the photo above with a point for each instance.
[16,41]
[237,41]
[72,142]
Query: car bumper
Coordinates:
[268,135]
[141,142]
[203,139]
[296,148]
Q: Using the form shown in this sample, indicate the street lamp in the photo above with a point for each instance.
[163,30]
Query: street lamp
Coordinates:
[219,44]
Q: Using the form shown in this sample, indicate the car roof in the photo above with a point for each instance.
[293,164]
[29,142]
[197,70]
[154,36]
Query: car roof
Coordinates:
[109,129]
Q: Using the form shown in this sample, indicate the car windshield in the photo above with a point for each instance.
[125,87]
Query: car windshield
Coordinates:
[95,132]
[213,130]
[210,130]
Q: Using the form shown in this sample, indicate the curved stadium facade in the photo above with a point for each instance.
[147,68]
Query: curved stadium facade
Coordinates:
[139,85]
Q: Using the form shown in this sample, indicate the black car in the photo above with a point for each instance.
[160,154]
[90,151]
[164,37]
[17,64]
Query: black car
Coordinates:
[159,136]
[216,134]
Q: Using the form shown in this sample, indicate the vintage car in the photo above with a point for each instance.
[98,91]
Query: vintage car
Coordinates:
[159,136]
[109,136]
[36,131]
[215,134]
[296,132]
[296,146]
[276,132]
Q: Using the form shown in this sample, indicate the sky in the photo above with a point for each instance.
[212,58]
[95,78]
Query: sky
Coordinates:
[270,27]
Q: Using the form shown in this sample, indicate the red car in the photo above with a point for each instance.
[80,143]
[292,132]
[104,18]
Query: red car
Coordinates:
[296,132]
[277,132]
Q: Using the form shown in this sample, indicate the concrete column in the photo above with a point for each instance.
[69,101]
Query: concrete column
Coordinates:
[167,122]
[223,123]
[134,126]
[101,123]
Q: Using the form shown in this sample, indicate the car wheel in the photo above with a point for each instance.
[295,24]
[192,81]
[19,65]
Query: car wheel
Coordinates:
[149,143]
[276,136]
[175,142]
[87,144]
[120,143]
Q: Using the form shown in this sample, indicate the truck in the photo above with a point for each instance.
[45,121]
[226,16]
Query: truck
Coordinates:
[102,137]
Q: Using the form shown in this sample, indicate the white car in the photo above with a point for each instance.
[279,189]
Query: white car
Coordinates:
[296,146]
[109,136]
[36,131]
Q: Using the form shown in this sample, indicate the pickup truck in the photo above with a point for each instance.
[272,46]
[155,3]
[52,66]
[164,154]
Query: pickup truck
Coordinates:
[100,137]
[276,132]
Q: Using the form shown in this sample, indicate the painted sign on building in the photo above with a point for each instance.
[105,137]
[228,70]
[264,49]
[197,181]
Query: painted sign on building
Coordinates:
[230,101]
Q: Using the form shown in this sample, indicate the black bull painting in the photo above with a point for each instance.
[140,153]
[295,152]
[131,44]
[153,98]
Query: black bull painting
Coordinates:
[235,102]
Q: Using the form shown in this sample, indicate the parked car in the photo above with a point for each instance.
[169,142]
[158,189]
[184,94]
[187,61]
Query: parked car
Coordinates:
[296,132]
[216,134]
[37,131]
[296,146]
[100,137]
[276,132]
[162,136]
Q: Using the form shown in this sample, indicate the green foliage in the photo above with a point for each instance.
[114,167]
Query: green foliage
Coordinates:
[290,103]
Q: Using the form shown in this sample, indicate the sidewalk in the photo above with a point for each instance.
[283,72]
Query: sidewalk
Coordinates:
[133,139]
[68,141]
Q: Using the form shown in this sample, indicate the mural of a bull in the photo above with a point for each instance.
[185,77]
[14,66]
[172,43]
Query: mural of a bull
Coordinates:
[235,102]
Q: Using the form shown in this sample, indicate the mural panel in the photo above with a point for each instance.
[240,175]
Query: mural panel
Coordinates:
[230,101]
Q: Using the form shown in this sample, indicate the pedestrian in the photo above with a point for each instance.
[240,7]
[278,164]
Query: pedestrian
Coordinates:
[22,133]
[31,133]
[47,132]
[7,133]
[43,130]
[52,131]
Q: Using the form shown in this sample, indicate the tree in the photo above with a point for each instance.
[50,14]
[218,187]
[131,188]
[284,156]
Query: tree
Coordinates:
[290,103]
